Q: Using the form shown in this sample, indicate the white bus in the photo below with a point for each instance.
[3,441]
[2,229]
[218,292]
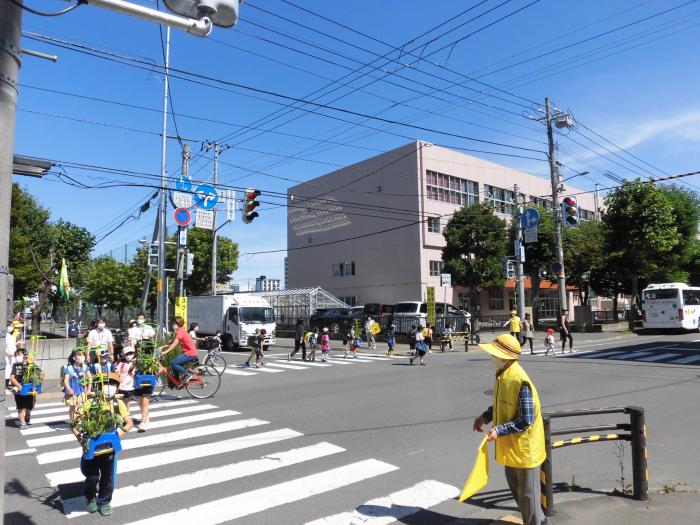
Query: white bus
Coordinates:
[671,305]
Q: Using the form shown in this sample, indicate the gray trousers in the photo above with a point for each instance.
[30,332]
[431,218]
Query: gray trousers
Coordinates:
[524,484]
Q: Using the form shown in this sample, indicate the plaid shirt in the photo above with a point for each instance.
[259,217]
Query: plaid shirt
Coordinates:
[525,417]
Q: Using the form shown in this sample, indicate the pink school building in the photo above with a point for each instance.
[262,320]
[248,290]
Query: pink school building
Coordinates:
[394,253]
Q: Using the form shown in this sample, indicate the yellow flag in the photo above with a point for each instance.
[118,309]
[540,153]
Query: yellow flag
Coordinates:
[375,328]
[479,476]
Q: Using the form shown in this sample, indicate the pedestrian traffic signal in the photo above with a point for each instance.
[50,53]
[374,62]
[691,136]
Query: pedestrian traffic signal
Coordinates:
[569,212]
[250,204]
[189,264]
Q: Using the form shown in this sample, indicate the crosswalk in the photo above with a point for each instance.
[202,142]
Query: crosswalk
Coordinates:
[662,354]
[277,363]
[194,451]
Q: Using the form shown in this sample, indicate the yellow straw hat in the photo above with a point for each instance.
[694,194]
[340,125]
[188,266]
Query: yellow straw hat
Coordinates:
[505,346]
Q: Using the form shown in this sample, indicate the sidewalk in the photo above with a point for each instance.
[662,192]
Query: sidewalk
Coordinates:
[677,508]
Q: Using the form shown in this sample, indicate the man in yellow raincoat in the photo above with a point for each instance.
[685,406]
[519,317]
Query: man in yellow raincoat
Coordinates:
[518,430]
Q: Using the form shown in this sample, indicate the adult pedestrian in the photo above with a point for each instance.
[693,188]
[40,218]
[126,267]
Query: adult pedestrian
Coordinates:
[518,430]
[412,339]
[99,338]
[371,341]
[257,351]
[514,325]
[528,331]
[565,331]
[299,335]
[141,332]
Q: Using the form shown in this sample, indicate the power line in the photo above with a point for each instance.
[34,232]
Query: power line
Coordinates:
[44,13]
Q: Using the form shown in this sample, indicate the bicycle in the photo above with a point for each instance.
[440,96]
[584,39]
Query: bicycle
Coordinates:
[205,381]
[213,356]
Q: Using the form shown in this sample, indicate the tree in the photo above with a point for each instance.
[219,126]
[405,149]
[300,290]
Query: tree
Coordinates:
[476,246]
[37,248]
[199,243]
[114,284]
[538,256]
[640,230]
[583,253]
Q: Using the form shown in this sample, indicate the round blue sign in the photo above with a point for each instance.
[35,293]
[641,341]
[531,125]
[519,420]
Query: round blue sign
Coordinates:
[206,197]
[183,184]
[556,267]
[182,216]
[531,218]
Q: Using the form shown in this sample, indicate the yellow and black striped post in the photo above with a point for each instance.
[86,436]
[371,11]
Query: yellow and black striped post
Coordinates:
[590,439]
[546,482]
[640,474]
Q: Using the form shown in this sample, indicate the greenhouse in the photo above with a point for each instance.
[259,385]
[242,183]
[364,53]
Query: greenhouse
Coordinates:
[299,303]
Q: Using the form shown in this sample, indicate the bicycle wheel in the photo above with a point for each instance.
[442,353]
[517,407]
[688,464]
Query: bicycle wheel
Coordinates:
[217,361]
[205,382]
[158,389]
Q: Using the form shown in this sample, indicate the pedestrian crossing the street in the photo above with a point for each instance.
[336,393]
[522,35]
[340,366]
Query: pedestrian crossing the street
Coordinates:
[668,355]
[276,363]
[195,451]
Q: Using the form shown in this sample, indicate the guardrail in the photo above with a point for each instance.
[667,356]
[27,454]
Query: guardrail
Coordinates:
[636,435]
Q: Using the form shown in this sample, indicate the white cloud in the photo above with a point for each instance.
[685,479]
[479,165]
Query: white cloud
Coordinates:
[684,126]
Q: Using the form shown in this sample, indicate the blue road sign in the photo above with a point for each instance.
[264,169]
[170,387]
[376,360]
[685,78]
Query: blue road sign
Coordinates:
[183,183]
[531,218]
[182,216]
[556,267]
[206,197]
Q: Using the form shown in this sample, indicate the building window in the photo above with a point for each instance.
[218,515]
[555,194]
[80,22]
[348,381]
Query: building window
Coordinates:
[549,305]
[540,201]
[586,215]
[446,188]
[435,268]
[501,200]
[343,269]
[350,300]
[434,224]
[495,298]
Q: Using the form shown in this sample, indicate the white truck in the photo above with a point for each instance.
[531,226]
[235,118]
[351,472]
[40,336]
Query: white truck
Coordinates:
[238,316]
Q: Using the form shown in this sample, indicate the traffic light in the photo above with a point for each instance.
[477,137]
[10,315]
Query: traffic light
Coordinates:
[153,256]
[250,204]
[569,212]
[189,264]
[508,267]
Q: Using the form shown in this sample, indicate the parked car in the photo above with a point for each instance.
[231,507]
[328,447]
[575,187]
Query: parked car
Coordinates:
[337,320]
[407,313]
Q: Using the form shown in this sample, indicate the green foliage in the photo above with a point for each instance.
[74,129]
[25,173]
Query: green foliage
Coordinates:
[112,283]
[32,375]
[476,245]
[147,363]
[199,242]
[583,254]
[96,418]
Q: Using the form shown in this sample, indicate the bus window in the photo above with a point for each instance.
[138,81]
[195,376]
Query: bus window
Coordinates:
[668,293]
[691,297]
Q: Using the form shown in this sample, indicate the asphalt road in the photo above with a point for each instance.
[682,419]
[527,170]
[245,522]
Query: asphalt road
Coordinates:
[312,442]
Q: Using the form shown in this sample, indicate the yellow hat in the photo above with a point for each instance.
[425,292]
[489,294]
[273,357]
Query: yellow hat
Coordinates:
[17,324]
[513,312]
[505,346]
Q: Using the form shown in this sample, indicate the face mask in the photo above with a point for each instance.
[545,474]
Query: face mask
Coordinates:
[175,327]
[78,361]
[128,358]
[10,329]
[110,390]
[140,321]
[101,326]
[498,363]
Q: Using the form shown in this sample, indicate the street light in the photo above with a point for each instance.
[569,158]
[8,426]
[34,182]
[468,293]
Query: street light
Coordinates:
[223,13]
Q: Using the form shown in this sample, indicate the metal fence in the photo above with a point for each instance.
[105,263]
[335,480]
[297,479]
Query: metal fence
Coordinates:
[608,316]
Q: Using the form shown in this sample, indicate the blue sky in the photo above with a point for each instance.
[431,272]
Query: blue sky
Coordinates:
[637,86]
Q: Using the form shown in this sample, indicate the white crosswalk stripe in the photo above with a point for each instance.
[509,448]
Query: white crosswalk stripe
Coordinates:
[288,367]
[382,511]
[237,372]
[75,507]
[657,357]
[254,501]
[201,439]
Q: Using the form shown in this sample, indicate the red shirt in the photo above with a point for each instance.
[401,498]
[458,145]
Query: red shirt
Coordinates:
[186,342]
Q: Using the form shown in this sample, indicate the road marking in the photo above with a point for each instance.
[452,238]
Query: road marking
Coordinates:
[632,356]
[386,510]
[67,438]
[268,370]
[596,355]
[254,501]
[158,439]
[349,360]
[180,455]
[21,452]
[44,429]
[237,372]
[282,365]
[686,360]
[315,363]
[40,412]
[133,494]
[183,410]
[657,357]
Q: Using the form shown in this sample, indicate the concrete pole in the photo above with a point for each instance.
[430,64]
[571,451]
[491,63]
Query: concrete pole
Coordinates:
[519,273]
[10,62]
[161,288]
[559,246]
[180,286]
[213,228]
[597,205]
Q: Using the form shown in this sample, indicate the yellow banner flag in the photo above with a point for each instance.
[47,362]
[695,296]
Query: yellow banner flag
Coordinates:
[479,476]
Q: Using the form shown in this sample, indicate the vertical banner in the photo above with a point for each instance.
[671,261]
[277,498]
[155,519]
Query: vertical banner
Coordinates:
[181,308]
[431,305]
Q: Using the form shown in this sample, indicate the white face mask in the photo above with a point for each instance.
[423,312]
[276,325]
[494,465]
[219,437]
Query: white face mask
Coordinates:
[101,326]
[140,321]
[110,390]
[175,327]
[498,363]
[128,358]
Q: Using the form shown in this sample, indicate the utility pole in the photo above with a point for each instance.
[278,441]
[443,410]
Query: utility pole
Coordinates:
[10,62]
[554,171]
[161,288]
[519,250]
[218,148]
[149,271]
[181,249]
[597,205]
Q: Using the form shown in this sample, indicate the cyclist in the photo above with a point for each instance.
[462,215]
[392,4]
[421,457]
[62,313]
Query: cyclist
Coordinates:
[189,350]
